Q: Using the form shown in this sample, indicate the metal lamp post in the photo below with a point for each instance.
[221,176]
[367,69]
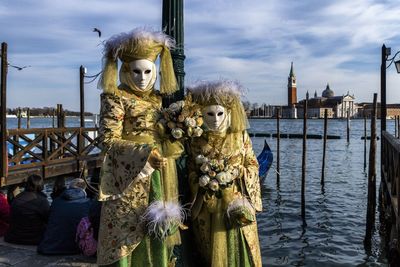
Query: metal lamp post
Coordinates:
[386,51]
[172,24]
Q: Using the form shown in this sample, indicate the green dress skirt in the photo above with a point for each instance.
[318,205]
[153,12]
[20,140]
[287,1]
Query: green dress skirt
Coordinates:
[151,251]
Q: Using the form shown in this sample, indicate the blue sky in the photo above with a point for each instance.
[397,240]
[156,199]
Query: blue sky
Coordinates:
[336,42]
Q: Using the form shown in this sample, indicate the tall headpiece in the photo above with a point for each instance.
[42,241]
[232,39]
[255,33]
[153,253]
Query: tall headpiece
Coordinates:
[225,93]
[140,43]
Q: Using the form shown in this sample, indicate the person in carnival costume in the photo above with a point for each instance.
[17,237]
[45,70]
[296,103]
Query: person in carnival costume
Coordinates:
[140,215]
[223,179]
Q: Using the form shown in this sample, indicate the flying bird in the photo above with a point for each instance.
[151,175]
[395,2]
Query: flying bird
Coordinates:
[19,68]
[98,31]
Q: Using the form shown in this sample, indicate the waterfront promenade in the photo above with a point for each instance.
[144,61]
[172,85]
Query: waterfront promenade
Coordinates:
[21,256]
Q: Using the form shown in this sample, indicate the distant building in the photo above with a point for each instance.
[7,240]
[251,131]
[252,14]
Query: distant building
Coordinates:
[290,111]
[336,106]
[365,109]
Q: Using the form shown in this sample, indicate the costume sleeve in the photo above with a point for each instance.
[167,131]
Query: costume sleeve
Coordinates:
[250,173]
[124,160]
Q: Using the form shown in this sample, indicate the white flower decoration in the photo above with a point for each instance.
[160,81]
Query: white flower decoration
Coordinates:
[190,122]
[205,167]
[213,185]
[200,159]
[175,107]
[224,178]
[177,133]
[204,180]
[197,131]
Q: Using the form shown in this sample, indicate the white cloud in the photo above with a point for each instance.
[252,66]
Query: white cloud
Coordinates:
[251,41]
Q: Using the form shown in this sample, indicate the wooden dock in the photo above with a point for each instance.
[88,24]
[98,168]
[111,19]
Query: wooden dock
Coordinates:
[390,197]
[49,152]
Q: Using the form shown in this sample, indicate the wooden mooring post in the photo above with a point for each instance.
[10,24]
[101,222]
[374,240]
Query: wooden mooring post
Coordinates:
[398,126]
[3,126]
[324,148]
[365,142]
[371,206]
[19,118]
[278,138]
[60,116]
[28,118]
[303,163]
[348,126]
[54,118]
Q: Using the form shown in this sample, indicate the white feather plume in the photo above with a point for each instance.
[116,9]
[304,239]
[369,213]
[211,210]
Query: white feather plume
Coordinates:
[163,218]
[221,90]
[122,42]
[239,203]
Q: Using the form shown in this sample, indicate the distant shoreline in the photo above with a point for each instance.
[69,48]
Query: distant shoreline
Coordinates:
[67,116]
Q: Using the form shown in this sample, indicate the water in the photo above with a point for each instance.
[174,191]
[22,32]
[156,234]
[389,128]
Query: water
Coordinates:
[47,122]
[336,218]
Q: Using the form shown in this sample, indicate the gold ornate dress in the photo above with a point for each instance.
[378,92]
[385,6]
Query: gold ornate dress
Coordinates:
[220,244]
[128,183]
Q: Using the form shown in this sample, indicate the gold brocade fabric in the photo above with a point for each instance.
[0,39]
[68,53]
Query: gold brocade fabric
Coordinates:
[209,219]
[128,125]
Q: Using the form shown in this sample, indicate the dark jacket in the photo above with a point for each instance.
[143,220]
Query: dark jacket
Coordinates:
[29,214]
[65,214]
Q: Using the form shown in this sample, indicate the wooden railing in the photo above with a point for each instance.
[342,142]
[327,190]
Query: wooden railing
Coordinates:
[50,152]
[391,173]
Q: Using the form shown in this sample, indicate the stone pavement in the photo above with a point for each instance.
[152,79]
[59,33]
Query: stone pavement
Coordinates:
[19,255]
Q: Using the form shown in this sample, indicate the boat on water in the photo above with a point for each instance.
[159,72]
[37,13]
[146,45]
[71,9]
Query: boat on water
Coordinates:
[264,159]
[11,116]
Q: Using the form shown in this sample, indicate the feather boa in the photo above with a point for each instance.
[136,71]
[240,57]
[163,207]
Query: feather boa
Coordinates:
[163,218]
[241,212]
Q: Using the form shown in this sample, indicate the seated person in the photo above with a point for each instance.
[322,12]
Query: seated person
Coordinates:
[29,214]
[58,187]
[66,211]
[4,214]
[88,230]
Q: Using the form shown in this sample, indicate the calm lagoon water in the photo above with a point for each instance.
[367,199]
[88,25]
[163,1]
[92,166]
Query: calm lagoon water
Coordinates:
[335,218]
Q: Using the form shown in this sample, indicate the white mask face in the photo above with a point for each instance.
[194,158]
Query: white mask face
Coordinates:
[142,73]
[215,117]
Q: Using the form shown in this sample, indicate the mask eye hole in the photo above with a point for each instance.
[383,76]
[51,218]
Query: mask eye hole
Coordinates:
[147,71]
[210,113]
[136,71]
[220,113]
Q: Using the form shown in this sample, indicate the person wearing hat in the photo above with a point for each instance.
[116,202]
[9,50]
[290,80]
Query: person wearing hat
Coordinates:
[223,179]
[66,211]
[137,170]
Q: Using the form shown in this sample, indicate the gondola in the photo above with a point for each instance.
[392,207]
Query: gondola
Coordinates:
[264,161]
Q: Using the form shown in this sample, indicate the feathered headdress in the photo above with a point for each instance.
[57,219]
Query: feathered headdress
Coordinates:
[140,43]
[225,93]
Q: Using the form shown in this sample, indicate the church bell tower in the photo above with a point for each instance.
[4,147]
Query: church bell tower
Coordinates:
[292,88]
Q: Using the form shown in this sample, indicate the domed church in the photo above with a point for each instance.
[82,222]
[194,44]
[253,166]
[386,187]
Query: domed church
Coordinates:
[337,106]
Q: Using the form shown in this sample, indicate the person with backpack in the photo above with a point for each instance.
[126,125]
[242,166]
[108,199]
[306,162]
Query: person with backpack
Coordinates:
[87,232]
[66,212]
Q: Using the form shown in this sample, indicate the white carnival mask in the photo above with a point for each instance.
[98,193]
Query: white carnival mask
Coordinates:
[215,117]
[142,73]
